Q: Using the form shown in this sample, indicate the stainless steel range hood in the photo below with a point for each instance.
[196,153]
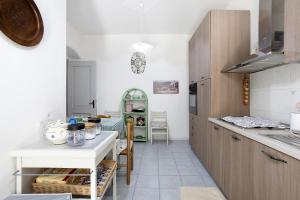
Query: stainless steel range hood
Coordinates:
[271,40]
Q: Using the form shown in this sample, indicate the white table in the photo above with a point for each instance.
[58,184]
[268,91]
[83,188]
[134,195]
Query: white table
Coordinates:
[46,155]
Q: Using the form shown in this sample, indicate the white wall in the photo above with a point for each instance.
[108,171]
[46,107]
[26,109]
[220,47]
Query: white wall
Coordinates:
[33,84]
[74,38]
[274,93]
[167,61]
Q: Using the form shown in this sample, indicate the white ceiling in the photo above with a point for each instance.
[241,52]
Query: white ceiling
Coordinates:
[124,16]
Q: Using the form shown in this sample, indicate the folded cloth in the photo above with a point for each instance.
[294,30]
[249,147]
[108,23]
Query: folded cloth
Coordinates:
[121,145]
[159,124]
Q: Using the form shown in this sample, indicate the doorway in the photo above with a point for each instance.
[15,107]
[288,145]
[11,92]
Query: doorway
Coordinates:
[81,88]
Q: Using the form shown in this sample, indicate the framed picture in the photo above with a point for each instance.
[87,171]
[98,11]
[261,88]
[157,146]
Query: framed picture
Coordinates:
[165,87]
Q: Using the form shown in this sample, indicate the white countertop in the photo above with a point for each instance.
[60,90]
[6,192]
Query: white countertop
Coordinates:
[91,148]
[258,135]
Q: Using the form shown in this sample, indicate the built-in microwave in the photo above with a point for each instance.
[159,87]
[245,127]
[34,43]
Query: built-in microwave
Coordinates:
[193,98]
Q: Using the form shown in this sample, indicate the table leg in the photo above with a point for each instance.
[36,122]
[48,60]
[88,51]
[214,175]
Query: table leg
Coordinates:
[115,186]
[19,177]
[94,183]
[115,176]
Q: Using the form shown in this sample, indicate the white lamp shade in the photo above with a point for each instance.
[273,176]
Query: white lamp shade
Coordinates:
[141,47]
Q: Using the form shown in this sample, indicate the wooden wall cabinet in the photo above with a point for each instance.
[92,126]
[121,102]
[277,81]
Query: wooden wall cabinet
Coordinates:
[292,31]
[222,38]
[203,48]
[192,60]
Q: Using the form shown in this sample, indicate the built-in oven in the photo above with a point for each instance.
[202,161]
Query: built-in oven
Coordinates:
[193,98]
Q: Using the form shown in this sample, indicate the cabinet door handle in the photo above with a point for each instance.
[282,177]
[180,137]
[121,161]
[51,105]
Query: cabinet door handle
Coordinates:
[236,138]
[274,158]
[216,128]
[202,84]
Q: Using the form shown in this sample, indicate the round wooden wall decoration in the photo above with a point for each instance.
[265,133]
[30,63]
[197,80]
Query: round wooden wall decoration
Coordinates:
[21,21]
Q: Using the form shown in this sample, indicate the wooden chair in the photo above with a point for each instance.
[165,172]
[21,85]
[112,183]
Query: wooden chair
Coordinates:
[128,152]
[159,125]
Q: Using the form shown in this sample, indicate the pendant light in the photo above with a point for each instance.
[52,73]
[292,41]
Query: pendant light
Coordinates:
[141,46]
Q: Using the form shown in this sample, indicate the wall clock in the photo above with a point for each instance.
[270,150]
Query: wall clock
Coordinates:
[138,62]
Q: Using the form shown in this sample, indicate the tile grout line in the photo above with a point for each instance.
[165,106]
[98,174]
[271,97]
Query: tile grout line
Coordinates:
[138,175]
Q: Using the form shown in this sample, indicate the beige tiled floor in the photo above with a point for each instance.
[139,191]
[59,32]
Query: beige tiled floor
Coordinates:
[159,172]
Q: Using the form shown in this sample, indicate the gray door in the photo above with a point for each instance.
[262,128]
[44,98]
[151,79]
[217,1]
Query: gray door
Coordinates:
[81,92]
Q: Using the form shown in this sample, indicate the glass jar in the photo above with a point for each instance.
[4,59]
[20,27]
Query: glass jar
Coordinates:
[97,122]
[90,131]
[76,134]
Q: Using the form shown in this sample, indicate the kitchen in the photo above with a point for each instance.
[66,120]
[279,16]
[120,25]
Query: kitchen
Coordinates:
[206,69]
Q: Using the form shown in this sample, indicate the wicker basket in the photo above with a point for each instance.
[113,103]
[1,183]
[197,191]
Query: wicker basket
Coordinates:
[72,185]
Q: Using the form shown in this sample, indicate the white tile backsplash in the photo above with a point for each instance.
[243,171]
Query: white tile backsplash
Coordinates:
[275,92]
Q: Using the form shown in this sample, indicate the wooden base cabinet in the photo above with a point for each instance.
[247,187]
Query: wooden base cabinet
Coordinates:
[195,132]
[270,174]
[236,165]
[247,170]
[203,105]
[294,179]
[215,154]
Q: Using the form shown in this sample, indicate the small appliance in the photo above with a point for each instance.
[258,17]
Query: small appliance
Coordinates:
[295,123]
[270,52]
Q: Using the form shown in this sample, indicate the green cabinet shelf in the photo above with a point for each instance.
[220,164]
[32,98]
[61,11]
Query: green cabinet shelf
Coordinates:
[136,99]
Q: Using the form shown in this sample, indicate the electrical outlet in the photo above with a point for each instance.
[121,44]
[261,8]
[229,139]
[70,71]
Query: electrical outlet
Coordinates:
[49,115]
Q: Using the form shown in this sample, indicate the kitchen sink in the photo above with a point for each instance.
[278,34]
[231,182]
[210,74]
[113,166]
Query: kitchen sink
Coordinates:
[291,139]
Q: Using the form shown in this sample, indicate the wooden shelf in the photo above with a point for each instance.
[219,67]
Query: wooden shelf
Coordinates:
[140,126]
[134,113]
[73,184]
[136,98]
[140,140]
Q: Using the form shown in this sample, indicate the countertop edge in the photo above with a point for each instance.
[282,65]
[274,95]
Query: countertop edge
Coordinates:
[253,134]
[57,153]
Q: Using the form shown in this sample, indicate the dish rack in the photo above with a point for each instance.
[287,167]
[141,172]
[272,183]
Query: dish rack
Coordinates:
[73,184]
